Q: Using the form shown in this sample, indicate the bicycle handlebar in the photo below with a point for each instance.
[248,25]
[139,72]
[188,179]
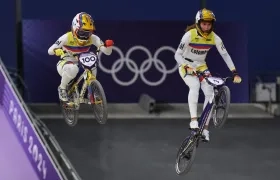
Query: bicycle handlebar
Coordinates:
[224,79]
[228,77]
[64,52]
[194,73]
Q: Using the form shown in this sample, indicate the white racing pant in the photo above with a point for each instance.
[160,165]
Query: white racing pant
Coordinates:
[194,85]
[68,71]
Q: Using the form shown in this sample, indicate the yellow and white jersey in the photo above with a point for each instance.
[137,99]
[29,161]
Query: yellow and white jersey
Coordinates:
[193,49]
[68,44]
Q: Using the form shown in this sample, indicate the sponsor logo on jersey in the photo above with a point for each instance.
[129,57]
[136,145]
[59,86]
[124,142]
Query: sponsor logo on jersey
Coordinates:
[58,42]
[223,47]
[199,52]
[181,46]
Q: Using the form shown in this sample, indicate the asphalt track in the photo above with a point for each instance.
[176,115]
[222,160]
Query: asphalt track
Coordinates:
[146,149]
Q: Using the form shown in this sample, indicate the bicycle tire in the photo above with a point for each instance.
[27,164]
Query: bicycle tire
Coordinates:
[75,111]
[219,123]
[190,145]
[104,118]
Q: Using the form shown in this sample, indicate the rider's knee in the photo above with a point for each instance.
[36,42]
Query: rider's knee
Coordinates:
[208,93]
[192,82]
[194,85]
[207,89]
[194,90]
[70,70]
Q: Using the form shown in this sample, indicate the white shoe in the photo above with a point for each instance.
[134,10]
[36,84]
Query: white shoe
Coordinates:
[194,124]
[205,133]
[62,94]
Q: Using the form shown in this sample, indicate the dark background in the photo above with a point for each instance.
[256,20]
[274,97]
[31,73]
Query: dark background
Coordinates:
[126,34]
[249,32]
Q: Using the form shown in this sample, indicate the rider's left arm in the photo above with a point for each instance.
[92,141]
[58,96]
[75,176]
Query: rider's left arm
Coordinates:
[100,45]
[223,52]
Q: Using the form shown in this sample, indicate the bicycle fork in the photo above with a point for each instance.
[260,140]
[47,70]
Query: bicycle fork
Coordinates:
[90,95]
[85,87]
[88,86]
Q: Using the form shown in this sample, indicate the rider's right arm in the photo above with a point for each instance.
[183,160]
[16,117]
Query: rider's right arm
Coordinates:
[182,47]
[58,44]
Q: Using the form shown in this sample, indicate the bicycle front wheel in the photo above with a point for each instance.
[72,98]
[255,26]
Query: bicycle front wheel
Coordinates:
[99,106]
[186,155]
[221,110]
[70,111]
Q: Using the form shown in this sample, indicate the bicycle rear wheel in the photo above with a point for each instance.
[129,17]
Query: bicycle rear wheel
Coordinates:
[186,155]
[70,111]
[100,108]
[221,110]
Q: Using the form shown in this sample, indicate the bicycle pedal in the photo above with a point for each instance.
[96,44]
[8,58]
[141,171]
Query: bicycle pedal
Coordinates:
[83,101]
[196,129]
[70,104]
[203,139]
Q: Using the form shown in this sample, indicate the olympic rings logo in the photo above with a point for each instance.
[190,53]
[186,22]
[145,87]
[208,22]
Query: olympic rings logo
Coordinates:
[144,67]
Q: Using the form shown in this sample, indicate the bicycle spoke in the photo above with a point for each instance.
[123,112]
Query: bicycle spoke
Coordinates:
[222,107]
[69,110]
[100,103]
[185,156]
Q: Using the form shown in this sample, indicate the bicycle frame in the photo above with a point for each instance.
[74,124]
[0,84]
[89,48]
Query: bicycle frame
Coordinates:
[207,112]
[206,116]
[88,78]
[192,141]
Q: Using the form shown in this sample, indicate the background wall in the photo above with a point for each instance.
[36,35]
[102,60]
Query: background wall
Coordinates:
[8,32]
[126,85]
[258,37]
[261,18]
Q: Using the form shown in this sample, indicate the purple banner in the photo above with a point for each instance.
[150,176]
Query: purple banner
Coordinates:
[14,164]
[26,133]
[142,60]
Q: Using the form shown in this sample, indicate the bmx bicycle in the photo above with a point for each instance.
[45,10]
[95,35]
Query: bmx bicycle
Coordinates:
[219,101]
[94,97]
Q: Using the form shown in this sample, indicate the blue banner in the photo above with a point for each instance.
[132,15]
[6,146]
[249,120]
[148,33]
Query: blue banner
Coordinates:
[27,135]
[259,51]
[142,60]
[111,9]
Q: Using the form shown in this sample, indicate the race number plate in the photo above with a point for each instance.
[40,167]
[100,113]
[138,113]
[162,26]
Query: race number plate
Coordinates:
[88,59]
[216,80]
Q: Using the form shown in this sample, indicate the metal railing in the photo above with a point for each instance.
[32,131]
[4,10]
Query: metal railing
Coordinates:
[19,82]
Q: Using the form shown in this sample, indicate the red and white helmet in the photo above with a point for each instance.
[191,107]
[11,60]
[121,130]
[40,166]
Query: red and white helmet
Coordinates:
[82,27]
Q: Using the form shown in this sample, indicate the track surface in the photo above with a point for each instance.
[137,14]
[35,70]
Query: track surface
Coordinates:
[146,149]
